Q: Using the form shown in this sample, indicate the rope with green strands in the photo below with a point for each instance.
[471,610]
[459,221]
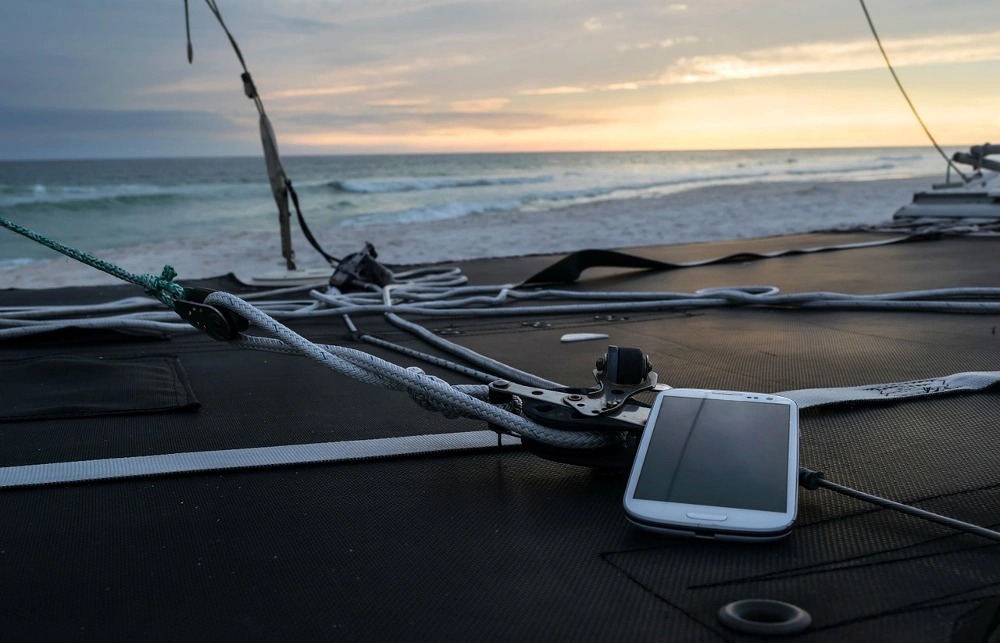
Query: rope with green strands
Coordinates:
[162,287]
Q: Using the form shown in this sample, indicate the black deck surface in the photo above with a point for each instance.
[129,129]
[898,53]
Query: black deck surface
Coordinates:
[504,545]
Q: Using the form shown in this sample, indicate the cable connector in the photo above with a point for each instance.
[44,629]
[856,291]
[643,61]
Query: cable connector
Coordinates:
[810,479]
[248,87]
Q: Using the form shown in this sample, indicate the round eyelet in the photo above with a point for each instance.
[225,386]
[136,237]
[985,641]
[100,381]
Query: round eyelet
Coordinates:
[761,616]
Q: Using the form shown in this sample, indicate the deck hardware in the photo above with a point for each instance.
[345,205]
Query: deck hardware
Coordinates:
[569,338]
[360,269]
[621,374]
[765,617]
[218,323]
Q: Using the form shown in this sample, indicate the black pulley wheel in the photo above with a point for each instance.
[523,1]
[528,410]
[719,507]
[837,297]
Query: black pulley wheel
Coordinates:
[626,365]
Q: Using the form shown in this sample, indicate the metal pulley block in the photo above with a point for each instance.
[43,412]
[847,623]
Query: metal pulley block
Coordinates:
[218,323]
[621,374]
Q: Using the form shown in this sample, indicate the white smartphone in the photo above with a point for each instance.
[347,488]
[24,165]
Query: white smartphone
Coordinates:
[717,464]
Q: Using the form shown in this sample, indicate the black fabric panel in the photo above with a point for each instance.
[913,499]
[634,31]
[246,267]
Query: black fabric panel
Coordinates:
[72,386]
[507,546]
[75,336]
[482,547]
[248,399]
[980,623]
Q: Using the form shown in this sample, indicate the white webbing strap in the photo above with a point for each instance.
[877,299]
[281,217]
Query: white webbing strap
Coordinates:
[260,457]
[252,458]
[957,383]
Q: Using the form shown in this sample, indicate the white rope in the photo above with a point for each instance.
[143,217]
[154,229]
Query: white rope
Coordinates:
[499,368]
[373,370]
[22,321]
[434,293]
[440,292]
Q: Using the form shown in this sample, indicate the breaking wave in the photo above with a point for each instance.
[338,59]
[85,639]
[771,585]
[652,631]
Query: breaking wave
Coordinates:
[97,197]
[383,186]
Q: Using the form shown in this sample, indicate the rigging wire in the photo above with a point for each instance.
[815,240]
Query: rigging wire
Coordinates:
[899,84]
[813,480]
[187,28]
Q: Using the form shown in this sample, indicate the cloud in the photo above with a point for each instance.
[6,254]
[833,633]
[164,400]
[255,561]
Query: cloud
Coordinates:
[593,24]
[829,57]
[88,122]
[683,40]
[331,91]
[353,81]
[801,59]
[323,124]
[617,87]
[348,11]
[610,87]
[662,44]
[547,91]
[479,105]
[398,102]
[90,133]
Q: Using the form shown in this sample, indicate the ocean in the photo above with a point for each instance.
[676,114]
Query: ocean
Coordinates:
[114,204]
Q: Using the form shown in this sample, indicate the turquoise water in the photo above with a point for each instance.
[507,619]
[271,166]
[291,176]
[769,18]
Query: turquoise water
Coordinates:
[104,204]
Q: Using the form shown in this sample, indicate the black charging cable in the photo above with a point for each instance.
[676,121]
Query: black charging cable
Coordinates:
[813,480]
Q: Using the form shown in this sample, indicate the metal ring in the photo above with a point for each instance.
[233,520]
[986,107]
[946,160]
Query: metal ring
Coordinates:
[761,616]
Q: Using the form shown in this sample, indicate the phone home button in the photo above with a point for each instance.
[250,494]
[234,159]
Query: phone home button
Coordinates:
[698,516]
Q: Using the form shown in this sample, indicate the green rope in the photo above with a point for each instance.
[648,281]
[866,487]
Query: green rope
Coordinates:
[162,287]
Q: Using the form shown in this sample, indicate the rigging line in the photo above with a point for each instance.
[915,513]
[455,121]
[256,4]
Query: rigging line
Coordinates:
[813,479]
[162,287]
[214,8]
[903,91]
[283,181]
[187,27]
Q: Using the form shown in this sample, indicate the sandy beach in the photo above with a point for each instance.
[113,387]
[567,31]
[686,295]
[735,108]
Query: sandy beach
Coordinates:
[703,214]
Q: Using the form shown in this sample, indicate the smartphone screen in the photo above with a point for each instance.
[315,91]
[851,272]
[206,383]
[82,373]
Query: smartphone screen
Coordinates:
[718,452]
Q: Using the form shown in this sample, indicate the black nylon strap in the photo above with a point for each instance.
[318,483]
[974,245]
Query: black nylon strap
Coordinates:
[569,268]
[305,228]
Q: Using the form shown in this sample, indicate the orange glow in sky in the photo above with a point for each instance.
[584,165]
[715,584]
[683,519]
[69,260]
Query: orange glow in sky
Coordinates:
[364,76]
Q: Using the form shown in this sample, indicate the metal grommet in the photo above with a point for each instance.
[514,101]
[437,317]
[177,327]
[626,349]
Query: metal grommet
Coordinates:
[761,616]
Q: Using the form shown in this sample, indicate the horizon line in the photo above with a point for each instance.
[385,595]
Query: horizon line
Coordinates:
[475,153]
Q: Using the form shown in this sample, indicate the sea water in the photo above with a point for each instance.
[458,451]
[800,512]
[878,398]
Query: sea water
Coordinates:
[95,205]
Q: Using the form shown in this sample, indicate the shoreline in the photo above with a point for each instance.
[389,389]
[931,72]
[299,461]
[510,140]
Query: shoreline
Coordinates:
[707,213]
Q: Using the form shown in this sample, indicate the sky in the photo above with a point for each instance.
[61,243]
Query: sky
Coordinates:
[110,78]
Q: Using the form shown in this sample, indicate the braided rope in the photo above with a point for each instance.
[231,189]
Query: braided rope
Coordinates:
[371,369]
[162,287]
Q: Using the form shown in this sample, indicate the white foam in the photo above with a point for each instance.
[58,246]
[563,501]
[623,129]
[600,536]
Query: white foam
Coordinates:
[432,213]
[705,214]
[17,262]
[70,194]
[382,186]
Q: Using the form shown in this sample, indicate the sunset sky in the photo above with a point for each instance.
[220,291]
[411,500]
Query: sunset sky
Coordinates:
[110,78]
